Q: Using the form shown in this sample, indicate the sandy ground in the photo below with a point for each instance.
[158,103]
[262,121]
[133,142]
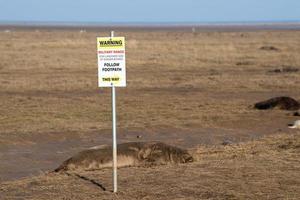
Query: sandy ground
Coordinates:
[186,89]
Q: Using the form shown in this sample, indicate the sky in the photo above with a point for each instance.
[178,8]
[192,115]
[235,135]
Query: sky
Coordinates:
[149,11]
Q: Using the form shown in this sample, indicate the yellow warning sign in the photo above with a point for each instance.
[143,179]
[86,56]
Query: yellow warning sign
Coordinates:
[111,62]
[110,43]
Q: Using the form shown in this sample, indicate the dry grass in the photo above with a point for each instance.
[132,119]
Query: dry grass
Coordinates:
[183,88]
[49,79]
[264,169]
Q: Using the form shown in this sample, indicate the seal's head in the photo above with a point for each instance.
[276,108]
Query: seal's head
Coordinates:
[160,153]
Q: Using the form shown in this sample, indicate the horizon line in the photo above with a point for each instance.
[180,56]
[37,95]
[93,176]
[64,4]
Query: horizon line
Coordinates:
[137,23]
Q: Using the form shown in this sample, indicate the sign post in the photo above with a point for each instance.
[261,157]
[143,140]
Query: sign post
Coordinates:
[112,73]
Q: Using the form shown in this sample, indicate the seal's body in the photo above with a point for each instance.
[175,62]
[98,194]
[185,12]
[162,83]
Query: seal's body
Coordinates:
[295,125]
[129,154]
[283,103]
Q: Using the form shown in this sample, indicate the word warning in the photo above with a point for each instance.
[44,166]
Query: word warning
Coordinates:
[111,61]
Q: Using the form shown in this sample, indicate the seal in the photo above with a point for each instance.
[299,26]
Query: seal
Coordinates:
[295,125]
[283,103]
[129,154]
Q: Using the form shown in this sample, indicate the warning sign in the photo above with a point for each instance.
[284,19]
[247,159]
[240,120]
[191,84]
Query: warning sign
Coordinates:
[111,62]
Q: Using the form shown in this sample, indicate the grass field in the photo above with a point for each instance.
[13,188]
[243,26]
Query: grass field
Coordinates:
[193,90]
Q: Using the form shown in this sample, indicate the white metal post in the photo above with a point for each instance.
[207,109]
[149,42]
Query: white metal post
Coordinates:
[114,132]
